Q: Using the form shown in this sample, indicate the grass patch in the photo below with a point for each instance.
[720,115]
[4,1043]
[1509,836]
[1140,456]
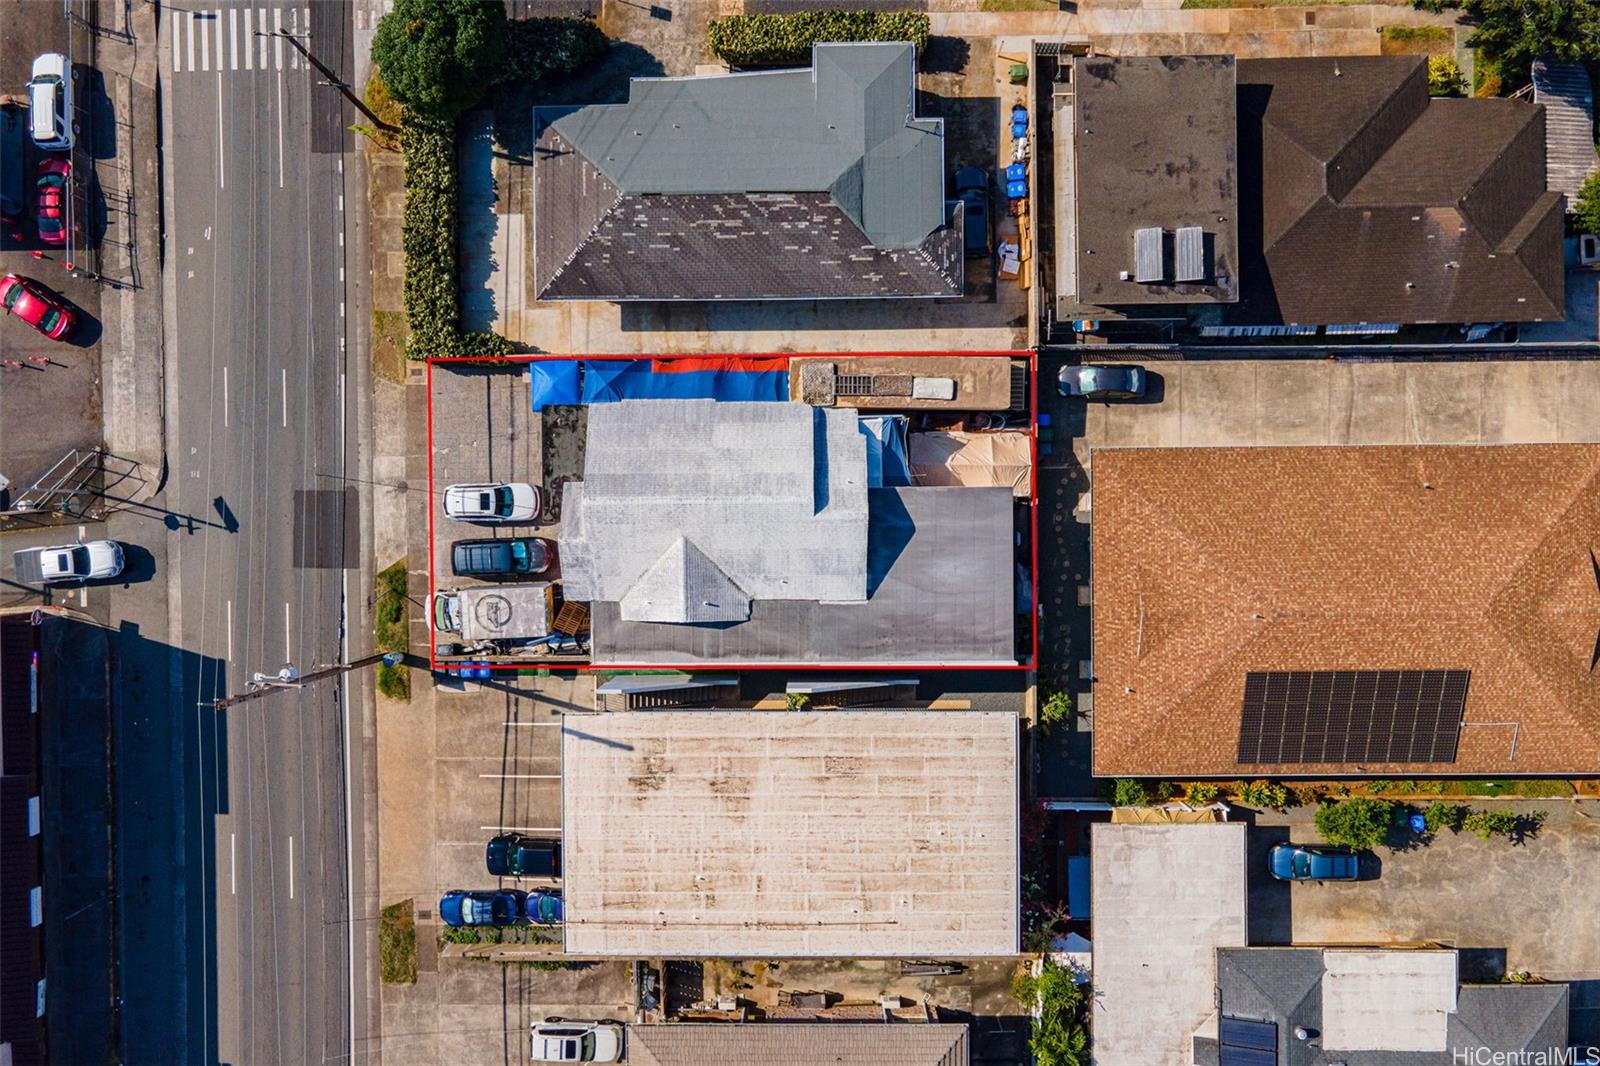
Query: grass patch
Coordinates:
[1417,40]
[391,631]
[397,944]
[1530,788]
[389,345]
[1019,5]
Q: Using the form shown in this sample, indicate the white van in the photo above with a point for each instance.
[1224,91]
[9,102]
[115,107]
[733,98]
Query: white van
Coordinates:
[50,102]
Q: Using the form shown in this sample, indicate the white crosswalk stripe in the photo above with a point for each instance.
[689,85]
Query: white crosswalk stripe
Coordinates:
[217,38]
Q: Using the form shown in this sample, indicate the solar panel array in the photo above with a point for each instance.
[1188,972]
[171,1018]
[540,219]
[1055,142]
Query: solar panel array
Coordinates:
[1352,716]
[1242,1042]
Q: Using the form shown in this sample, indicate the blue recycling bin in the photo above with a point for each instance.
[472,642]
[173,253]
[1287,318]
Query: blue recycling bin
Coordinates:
[1017,172]
[1419,824]
[1016,190]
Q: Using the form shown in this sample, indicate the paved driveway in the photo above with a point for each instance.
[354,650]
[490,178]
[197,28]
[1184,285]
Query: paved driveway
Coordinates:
[1250,403]
[1535,902]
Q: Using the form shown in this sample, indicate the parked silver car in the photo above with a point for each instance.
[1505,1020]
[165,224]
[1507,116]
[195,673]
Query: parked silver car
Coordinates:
[559,1040]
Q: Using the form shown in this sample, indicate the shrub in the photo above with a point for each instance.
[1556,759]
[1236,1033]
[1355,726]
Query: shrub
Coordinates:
[1307,795]
[1377,787]
[428,237]
[796,701]
[391,631]
[545,47]
[1202,793]
[1264,794]
[1439,815]
[1357,823]
[1445,77]
[397,944]
[1586,212]
[1164,790]
[1057,707]
[433,53]
[1128,792]
[786,40]
[1060,1030]
[1501,822]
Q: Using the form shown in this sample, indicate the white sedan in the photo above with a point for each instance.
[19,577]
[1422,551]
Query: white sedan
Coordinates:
[513,502]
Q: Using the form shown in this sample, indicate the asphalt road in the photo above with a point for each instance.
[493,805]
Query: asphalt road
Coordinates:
[259,532]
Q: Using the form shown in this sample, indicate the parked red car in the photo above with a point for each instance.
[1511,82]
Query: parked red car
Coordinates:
[50,200]
[37,306]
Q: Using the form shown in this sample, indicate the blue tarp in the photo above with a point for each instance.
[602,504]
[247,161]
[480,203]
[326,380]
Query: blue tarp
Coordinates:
[887,461]
[554,381]
[610,380]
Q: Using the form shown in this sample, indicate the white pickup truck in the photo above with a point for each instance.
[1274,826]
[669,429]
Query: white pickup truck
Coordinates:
[68,562]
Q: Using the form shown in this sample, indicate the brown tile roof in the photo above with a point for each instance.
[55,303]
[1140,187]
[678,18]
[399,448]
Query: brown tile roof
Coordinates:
[1367,202]
[1211,562]
[797,1044]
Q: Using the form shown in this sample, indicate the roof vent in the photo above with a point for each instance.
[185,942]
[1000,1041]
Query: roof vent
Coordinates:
[1149,255]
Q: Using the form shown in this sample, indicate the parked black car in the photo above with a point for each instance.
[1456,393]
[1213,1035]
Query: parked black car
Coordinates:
[511,558]
[514,855]
[972,189]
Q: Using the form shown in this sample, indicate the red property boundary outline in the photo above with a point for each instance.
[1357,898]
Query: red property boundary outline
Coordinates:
[1032,358]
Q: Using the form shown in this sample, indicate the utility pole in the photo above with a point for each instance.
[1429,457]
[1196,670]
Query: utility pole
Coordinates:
[288,677]
[333,79]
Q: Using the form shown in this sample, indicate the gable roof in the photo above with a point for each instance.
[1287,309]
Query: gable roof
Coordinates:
[693,186]
[1288,987]
[1213,562]
[771,496]
[1378,204]
[797,1044]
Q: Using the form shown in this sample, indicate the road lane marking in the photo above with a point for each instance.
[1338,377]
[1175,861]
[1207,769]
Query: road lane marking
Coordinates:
[280,128]
[222,175]
[205,45]
[341,201]
[83,531]
[288,653]
[291,867]
[285,377]
[233,39]
[233,863]
[218,15]
[83,596]
[277,41]
[294,31]
[224,397]
[188,22]
[530,724]
[341,308]
[230,631]
[249,40]
[523,777]
[261,21]
[522,828]
[176,23]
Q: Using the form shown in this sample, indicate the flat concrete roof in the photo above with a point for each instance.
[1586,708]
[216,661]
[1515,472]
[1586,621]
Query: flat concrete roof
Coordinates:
[1164,899]
[1380,1000]
[781,833]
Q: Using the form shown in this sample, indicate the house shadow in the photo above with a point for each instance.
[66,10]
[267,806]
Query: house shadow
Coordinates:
[1270,920]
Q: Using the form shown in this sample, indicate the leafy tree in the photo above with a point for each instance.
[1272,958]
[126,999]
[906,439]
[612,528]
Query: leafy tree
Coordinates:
[1440,815]
[1056,707]
[1128,792]
[1358,823]
[1513,33]
[1586,212]
[542,47]
[437,56]
[1060,1035]
[1444,77]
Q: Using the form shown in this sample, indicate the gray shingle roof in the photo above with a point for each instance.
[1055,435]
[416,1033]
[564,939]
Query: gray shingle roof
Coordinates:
[797,1044]
[1568,98]
[796,183]
[1284,986]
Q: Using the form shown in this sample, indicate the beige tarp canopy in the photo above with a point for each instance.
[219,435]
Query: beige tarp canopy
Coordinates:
[1165,815]
[975,460]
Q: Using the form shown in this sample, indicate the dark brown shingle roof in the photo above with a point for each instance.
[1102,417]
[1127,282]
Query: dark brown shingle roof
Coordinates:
[1379,205]
[1211,562]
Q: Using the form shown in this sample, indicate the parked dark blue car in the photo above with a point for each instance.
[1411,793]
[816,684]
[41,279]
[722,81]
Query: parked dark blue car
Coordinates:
[543,908]
[505,906]
[514,855]
[1304,862]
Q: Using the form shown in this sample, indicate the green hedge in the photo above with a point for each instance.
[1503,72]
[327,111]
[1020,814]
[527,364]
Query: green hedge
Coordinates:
[428,239]
[786,40]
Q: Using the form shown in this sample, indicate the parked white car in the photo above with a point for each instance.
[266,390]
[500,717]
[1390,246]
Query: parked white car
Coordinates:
[559,1040]
[504,502]
[93,561]
[50,102]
